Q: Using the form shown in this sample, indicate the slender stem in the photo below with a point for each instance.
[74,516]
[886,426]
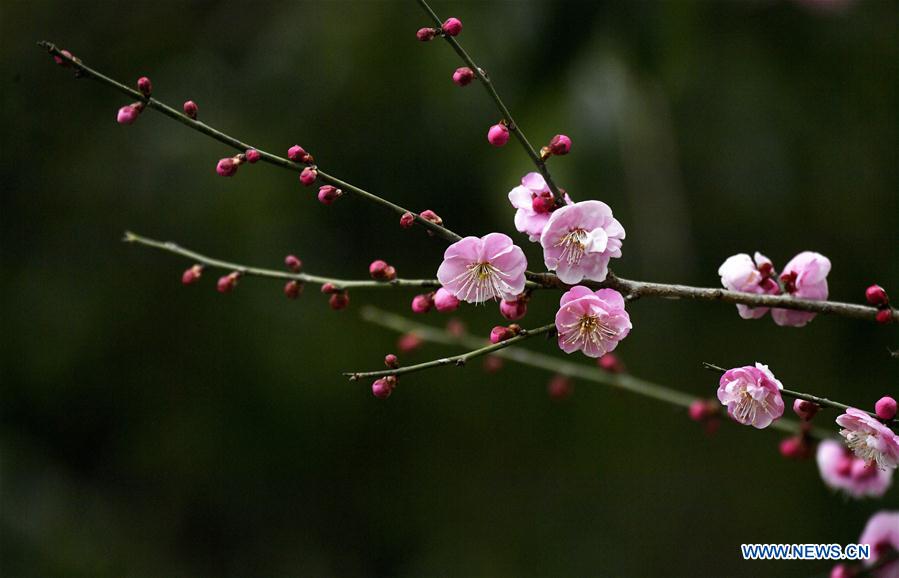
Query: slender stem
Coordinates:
[273,273]
[552,364]
[503,109]
[84,70]
[457,360]
[822,401]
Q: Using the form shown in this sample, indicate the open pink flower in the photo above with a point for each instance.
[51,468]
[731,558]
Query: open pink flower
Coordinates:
[535,204]
[841,470]
[743,273]
[476,270]
[752,395]
[805,277]
[869,439]
[579,240]
[882,534]
[593,322]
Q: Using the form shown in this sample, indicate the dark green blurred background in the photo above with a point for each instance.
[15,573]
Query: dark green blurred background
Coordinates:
[154,430]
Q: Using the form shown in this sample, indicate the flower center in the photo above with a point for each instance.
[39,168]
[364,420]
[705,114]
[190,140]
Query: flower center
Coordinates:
[480,282]
[589,329]
[748,408]
[574,245]
[858,443]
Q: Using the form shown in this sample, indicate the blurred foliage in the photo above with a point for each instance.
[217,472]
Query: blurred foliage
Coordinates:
[148,429]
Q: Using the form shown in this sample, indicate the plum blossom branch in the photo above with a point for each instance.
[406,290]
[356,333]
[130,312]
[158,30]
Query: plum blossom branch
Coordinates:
[821,401]
[82,70]
[633,290]
[457,360]
[513,127]
[338,284]
[552,364]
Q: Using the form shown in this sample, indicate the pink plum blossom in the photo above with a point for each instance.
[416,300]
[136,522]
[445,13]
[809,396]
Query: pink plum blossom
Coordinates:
[534,202]
[805,277]
[882,534]
[749,275]
[475,270]
[579,240]
[869,439]
[752,395]
[843,471]
[591,321]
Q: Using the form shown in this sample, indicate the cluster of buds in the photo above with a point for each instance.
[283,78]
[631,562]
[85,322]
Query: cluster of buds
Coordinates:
[339,298]
[293,288]
[452,27]
[502,333]
[706,412]
[558,146]
[877,296]
[381,271]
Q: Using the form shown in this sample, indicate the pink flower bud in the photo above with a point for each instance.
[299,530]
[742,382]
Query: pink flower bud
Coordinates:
[227,283]
[128,114]
[543,203]
[327,194]
[191,109]
[500,333]
[805,409]
[876,295]
[297,154]
[559,387]
[407,220]
[611,363]
[560,145]
[192,275]
[308,176]
[253,156]
[884,316]
[699,410]
[391,361]
[885,408]
[144,85]
[227,167]
[408,343]
[292,289]
[431,216]
[422,303]
[378,270]
[444,301]
[62,61]
[425,34]
[328,288]
[463,76]
[793,448]
[339,300]
[513,310]
[498,135]
[381,388]
[293,263]
[492,363]
[452,27]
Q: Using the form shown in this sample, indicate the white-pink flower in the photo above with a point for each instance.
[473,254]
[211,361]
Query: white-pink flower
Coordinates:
[475,270]
[752,395]
[592,322]
[869,439]
[579,240]
[841,470]
[805,277]
[534,203]
[743,273]
[882,534]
